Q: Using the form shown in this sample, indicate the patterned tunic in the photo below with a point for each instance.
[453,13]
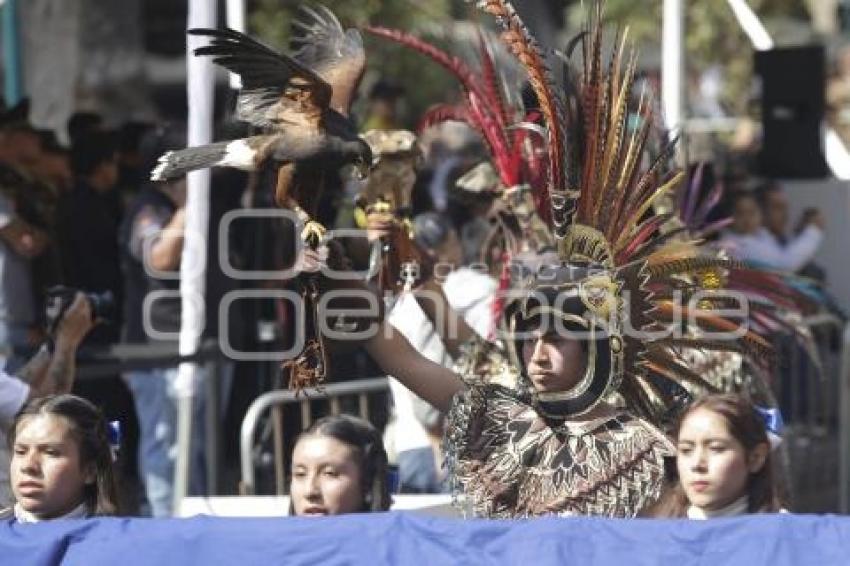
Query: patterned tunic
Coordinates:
[512,462]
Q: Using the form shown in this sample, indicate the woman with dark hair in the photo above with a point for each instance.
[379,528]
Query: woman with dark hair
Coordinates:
[723,460]
[62,461]
[339,466]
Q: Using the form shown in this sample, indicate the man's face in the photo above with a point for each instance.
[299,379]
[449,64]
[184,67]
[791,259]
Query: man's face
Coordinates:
[107,174]
[383,108]
[554,363]
[776,212]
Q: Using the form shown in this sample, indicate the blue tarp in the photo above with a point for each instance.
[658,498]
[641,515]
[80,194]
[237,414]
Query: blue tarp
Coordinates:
[401,538]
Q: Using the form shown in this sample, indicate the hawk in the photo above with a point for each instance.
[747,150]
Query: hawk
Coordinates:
[300,104]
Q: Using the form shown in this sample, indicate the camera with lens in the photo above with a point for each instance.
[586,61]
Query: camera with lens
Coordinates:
[59,298]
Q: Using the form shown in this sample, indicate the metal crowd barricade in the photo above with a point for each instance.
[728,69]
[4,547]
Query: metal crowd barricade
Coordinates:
[816,409]
[276,400]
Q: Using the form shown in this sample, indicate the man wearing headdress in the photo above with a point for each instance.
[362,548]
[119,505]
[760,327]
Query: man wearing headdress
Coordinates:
[562,414]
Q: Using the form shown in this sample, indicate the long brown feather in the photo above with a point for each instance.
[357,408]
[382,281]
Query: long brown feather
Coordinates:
[492,82]
[524,47]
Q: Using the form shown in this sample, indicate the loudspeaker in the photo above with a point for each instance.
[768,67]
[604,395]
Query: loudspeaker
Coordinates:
[792,107]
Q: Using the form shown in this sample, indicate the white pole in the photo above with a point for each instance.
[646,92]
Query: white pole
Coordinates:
[752,26]
[236,20]
[844,426]
[837,156]
[202,14]
[672,63]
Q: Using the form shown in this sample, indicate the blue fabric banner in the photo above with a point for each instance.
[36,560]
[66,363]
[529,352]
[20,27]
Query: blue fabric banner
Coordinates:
[401,538]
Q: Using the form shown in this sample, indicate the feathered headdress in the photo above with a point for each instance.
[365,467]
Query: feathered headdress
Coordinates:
[644,296]
[778,302]
[485,108]
[518,171]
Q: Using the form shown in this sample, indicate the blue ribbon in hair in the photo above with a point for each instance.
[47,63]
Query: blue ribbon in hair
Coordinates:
[772,419]
[393,480]
[113,434]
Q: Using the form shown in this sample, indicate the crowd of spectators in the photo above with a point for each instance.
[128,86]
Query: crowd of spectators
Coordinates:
[85,216]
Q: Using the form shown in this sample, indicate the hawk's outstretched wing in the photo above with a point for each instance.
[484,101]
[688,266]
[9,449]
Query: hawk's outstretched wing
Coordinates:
[335,54]
[276,89]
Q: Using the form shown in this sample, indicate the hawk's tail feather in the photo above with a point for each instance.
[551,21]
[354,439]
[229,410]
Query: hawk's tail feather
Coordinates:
[175,164]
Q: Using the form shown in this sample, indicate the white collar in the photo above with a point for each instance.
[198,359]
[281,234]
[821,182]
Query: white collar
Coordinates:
[81,511]
[734,509]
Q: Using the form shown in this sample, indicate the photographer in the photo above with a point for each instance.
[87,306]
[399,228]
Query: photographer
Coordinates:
[50,371]
[87,226]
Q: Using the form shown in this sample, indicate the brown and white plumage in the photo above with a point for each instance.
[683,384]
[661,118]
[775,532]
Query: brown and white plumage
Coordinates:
[300,102]
[335,54]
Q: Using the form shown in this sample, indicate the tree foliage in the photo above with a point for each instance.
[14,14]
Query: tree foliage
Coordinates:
[424,82]
[712,35]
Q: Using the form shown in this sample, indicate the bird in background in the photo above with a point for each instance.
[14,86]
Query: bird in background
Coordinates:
[299,103]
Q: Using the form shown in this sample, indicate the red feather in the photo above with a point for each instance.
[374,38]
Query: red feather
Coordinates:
[644,232]
[492,83]
[443,113]
[484,104]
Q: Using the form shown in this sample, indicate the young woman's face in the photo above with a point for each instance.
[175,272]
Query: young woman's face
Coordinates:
[713,466]
[325,477]
[553,362]
[48,478]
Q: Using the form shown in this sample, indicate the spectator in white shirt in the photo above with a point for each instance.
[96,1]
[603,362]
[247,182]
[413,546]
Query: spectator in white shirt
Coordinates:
[749,240]
[419,426]
[774,206]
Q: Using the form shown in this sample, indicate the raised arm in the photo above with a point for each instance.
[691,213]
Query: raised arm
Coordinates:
[167,249]
[768,252]
[48,374]
[431,381]
[451,327]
